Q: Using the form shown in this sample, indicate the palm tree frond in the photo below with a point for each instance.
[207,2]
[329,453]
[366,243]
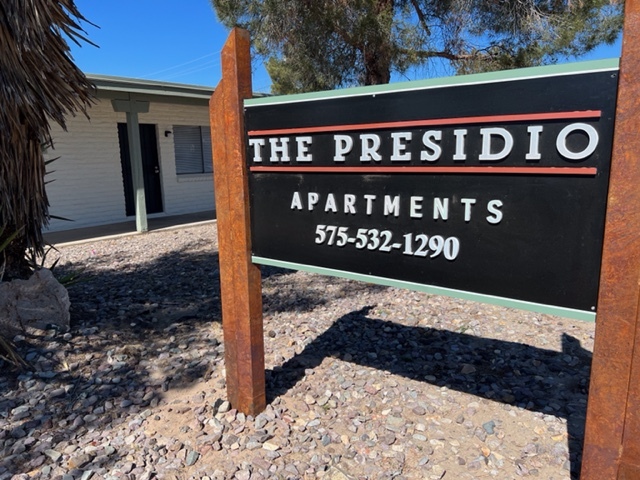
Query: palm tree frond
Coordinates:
[39,84]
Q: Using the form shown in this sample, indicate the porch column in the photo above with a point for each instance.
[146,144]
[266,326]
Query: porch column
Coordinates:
[132,108]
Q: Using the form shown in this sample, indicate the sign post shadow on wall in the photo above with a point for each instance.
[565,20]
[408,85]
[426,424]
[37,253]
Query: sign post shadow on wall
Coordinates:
[497,187]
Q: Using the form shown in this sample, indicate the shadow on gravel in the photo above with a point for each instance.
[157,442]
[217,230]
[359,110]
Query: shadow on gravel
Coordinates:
[539,380]
[137,330]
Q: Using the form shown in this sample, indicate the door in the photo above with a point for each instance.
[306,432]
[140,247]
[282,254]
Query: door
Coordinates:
[150,168]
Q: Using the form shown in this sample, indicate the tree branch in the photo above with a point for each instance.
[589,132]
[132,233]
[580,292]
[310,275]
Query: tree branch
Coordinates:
[448,55]
[442,54]
[421,16]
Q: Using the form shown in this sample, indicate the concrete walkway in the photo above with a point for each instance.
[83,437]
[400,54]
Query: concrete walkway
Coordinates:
[126,228]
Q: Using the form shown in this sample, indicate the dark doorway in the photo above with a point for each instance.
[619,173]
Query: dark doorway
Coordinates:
[150,168]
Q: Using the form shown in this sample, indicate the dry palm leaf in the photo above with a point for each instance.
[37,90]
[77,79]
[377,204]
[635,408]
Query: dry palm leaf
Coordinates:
[9,355]
[39,83]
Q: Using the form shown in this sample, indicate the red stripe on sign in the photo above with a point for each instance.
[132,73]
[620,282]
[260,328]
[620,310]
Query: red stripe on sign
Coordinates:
[433,122]
[584,171]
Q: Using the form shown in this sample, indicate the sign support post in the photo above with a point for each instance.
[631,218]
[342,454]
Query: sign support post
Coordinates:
[612,445]
[240,281]
[612,437]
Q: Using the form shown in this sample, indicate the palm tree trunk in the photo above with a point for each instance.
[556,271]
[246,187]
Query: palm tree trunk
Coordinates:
[39,83]
[15,263]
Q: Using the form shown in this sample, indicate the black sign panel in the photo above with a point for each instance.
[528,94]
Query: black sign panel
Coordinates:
[497,188]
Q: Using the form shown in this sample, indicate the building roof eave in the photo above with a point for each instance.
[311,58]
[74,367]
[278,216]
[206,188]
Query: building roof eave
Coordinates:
[107,86]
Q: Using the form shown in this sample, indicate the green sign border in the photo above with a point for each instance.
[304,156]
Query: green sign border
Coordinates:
[611,64]
[419,287]
[478,78]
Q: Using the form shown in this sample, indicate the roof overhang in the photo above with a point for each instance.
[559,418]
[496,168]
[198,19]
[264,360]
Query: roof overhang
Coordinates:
[111,88]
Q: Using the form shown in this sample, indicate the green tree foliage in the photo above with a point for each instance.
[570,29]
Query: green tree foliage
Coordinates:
[325,44]
[39,83]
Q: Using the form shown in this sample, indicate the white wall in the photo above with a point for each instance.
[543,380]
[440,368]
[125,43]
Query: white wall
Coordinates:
[88,186]
[87,179]
[182,193]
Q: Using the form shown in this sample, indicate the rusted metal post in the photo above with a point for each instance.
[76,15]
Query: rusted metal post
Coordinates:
[239,279]
[612,437]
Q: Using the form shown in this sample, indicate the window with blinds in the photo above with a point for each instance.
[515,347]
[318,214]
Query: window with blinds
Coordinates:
[192,147]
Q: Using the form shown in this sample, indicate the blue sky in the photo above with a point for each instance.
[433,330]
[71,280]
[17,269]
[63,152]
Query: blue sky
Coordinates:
[156,40]
[169,41]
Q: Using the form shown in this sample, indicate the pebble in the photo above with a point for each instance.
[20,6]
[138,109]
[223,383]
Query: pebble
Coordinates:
[53,455]
[364,381]
[419,410]
[270,446]
[79,461]
[192,457]
[260,422]
[481,434]
[467,369]
[489,427]
[18,433]
[58,392]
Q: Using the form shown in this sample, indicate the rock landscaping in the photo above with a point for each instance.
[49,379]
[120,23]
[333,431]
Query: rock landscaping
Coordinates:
[363,381]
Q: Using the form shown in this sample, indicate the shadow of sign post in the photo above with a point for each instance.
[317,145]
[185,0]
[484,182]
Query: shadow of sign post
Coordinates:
[497,187]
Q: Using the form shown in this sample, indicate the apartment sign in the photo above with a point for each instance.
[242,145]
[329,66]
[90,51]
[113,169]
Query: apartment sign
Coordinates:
[488,187]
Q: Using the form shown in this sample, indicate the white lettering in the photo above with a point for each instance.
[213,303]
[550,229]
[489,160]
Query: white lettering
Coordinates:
[487,134]
[257,144]
[534,142]
[370,199]
[312,199]
[467,202]
[496,216]
[415,210]
[350,204]
[441,208]
[330,204]
[392,205]
[296,201]
[460,139]
[279,152]
[435,150]
[303,149]
[370,145]
[561,141]
[343,145]
[399,146]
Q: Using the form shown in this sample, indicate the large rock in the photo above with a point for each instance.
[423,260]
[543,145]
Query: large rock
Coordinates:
[38,302]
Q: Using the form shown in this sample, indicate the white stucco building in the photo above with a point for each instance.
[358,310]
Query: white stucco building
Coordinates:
[92,182]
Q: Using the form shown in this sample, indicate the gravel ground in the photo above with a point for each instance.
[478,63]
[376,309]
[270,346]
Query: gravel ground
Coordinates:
[363,382]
